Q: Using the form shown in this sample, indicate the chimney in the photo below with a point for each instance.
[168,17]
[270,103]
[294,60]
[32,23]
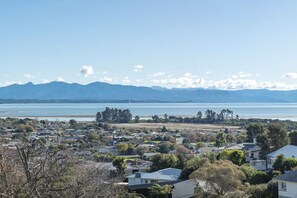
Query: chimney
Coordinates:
[255,140]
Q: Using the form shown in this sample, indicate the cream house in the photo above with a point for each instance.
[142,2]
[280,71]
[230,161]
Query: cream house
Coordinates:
[287,185]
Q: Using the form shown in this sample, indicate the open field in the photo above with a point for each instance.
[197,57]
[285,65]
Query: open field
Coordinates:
[177,126]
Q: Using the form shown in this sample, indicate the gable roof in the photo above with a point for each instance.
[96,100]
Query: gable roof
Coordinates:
[289,151]
[289,176]
[145,186]
[168,174]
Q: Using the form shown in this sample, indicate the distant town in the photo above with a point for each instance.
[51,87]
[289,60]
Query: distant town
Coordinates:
[213,154]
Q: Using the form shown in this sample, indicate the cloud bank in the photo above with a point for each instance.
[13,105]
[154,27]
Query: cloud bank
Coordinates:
[238,81]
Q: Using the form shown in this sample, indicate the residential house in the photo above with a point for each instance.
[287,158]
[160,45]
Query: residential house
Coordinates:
[168,174]
[287,185]
[251,149]
[134,166]
[149,156]
[252,154]
[181,188]
[289,151]
[184,189]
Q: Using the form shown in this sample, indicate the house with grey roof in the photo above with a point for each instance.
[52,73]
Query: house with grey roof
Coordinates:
[164,175]
[289,151]
[287,185]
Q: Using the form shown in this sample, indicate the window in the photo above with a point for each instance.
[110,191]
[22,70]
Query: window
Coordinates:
[283,186]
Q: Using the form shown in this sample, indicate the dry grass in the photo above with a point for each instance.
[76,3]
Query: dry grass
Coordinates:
[176,126]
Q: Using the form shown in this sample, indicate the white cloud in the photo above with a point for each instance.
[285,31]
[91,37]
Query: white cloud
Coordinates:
[87,70]
[138,68]
[159,74]
[208,72]
[126,80]
[29,76]
[45,81]
[60,79]
[9,83]
[242,75]
[290,75]
[187,80]
[107,79]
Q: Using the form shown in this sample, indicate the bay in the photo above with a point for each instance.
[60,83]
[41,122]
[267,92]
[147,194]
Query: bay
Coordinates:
[87,111]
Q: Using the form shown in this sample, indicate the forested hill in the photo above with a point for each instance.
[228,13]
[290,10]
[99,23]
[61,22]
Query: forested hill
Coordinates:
[104,92]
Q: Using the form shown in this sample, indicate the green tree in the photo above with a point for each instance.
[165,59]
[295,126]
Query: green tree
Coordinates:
[98,117]
[199,115]
[259,177]
[293,138]
[278,136]
[253,131]
[165,147]
[192,165]
[283,164]
[264,142]
[235,156]
[136,119]
[180,149]
[210,115]
[156,119]
[122,148]
[279,163]
[29,128]
[162,161]
[164,129]
[114,115]
[120,164]
[269,190]
[220,139]
[72,122]
[157,191]
[290,164]
[140,150]
[221,177]
[248,171]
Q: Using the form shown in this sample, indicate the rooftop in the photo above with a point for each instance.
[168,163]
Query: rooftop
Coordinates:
[289,176]
[289,151]
[168,174]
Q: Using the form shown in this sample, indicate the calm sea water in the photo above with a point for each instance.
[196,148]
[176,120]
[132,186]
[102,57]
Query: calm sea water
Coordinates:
[87,111]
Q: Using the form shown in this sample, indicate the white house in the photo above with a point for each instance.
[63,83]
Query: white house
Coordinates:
[168,174]
[289,151]
[287,185]
[179,140]
[251,149]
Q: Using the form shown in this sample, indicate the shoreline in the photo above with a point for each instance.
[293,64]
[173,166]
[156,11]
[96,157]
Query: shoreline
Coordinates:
[92,117]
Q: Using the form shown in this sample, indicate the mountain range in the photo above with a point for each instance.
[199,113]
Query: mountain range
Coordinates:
[104,92]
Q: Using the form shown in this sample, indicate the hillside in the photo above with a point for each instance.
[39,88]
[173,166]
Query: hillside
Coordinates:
[104,92]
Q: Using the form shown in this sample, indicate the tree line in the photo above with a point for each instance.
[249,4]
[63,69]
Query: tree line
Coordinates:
[114,115]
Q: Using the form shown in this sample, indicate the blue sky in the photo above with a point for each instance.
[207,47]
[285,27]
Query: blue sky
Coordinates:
[212,44]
